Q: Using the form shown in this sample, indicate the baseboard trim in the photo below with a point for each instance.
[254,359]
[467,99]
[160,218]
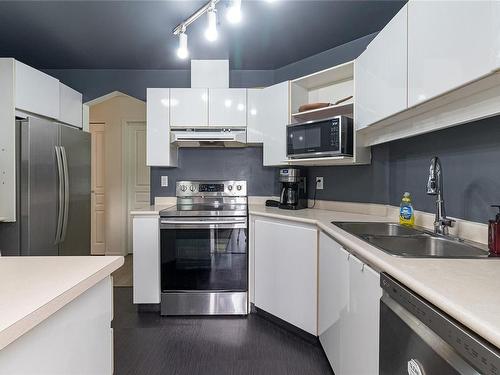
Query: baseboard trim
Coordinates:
[148,307]
[312,339]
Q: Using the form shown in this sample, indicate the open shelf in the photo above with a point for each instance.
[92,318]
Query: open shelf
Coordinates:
[325,112]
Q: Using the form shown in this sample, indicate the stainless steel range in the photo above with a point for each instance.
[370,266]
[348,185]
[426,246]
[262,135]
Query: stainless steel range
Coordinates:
[204,250]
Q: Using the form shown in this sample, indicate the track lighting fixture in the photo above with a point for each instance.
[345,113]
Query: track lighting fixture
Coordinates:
[233,14]
[182,51]
[211,32]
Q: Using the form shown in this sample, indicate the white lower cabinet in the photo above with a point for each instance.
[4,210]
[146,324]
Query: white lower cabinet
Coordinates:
[146,268]
[363,320]
[349,300]
[333,299]
[286,260]
[76,340]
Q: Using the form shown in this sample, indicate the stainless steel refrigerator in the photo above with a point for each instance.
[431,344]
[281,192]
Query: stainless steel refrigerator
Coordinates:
[53,191]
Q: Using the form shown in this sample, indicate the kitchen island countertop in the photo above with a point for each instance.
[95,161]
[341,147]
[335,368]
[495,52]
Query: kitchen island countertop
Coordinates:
[34,288]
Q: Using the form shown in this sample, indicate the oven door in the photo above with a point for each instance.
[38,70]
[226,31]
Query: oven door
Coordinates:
[204,254]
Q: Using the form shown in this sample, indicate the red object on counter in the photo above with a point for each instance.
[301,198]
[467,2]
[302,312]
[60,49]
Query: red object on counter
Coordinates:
[494,234]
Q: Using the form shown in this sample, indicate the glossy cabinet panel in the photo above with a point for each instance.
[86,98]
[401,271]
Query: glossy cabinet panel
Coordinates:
[70,106]
[361,334]
[255,118]
[450,43]
[348,300]
[227,107]
[189,107]
[146,267]
[286,274]
[333,299]
[76,339]
[160,152]
[381,74]
[35,91]
[276,115]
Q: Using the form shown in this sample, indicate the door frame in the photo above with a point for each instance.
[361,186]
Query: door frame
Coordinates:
[92,200]
[125,191]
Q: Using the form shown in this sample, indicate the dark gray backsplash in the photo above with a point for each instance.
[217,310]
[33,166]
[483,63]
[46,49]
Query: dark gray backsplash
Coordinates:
[360,183]
[470,155]
[218,164]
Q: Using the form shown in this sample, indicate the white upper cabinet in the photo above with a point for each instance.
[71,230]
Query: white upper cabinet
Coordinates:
[276,115]
[36,92]
[160,152]
[189,107]
[450,43]
[381,74]
[227,107]
[255,116]
[70,106]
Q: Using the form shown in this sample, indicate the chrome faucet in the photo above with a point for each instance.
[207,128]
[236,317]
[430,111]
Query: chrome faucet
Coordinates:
[435,187]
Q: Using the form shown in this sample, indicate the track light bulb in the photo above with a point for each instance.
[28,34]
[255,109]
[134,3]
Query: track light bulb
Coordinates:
[211,32]
[182,51]
[233,14]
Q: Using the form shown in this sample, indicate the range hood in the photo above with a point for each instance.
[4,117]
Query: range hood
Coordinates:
[209,137]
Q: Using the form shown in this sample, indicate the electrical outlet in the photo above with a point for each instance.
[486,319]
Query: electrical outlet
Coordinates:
[164,181]
[319,183]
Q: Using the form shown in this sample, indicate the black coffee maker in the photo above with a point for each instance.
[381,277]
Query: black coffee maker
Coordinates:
[293,189]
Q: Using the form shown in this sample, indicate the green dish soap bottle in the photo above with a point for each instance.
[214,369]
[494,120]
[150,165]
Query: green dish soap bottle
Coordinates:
[406,214]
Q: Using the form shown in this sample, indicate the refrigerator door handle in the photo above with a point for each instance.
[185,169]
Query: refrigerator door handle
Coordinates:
[66,194]
[60,195]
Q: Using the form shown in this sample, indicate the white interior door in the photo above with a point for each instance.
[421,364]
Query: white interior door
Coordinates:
[137,172]
[98,183]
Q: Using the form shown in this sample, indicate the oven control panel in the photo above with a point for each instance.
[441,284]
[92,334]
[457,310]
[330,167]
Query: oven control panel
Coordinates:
[211,188]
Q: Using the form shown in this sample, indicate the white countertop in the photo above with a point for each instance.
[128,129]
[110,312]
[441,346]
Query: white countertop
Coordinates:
[150,210]
[466,289]
[34,288]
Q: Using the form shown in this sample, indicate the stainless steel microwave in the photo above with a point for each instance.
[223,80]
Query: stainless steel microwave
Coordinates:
[322,138]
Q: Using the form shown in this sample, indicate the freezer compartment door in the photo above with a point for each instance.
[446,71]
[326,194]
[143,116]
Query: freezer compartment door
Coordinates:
[39,181]
[75,234]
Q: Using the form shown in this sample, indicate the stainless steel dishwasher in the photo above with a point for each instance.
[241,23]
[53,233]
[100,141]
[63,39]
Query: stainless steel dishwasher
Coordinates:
[416,338]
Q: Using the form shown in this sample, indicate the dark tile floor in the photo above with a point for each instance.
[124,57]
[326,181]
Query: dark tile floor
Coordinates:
[146,343]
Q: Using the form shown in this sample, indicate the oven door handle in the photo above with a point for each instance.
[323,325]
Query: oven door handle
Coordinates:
[203,222]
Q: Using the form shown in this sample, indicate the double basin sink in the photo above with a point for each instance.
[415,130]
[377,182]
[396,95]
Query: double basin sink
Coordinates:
[404,241]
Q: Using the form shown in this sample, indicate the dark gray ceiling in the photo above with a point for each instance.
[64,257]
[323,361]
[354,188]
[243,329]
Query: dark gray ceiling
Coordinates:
[137,34]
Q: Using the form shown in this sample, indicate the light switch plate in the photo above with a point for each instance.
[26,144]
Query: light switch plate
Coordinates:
[319,183]
[164,181]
